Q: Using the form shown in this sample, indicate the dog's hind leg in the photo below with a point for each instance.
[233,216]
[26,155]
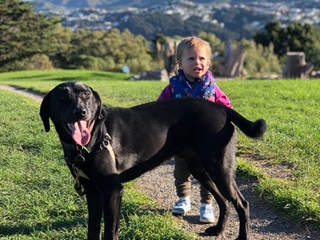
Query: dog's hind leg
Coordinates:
[225,190]
[225,182]
[231,192]
[202,176]
[224,178]
[224,209]
[242,207]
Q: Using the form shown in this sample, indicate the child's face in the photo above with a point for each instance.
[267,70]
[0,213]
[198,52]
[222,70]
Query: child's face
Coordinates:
[194,63]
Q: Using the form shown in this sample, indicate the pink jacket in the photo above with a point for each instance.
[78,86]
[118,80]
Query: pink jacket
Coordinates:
[221,98]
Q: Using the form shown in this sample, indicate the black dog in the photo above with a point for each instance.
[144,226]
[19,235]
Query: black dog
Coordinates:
[142,137]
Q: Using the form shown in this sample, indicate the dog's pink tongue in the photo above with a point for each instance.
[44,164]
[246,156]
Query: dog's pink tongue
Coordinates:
[80,133]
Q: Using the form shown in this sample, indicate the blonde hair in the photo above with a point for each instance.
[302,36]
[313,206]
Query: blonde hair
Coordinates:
[192,42]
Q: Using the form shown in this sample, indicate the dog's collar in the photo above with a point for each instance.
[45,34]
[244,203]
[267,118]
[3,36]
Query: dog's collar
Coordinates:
[75,147]
[70,146]
[77,162]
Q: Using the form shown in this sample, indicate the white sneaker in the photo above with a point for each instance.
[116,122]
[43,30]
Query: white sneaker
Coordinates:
[182,206]
[206,213]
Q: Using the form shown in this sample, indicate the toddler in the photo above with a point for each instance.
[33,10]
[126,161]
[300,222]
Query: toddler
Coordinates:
[193,79]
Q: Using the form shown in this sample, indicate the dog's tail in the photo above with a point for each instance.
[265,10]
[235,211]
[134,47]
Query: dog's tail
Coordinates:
[251,129]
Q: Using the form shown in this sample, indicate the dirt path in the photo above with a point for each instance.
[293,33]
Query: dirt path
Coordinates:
[265,224]
[31,94]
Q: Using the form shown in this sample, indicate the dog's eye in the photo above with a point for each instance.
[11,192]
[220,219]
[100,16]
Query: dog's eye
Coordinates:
[64,94]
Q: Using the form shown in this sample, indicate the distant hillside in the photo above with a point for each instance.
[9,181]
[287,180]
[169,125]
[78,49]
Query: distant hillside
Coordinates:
[111,4]
[71,4]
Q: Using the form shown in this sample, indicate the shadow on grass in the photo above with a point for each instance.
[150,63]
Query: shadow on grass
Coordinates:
[65,76]
[41,227]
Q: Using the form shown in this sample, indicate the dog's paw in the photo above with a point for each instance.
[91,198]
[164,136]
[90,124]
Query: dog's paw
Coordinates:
[213,231]
[242,238]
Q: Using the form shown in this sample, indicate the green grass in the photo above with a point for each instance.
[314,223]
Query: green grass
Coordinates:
[292,142]
[35,184]
[116,89]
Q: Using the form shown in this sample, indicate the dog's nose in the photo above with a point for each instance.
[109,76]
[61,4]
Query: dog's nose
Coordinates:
[80,112]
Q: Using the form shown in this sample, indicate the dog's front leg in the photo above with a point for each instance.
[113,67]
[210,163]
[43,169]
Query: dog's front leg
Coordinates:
[112,197]
[94,203]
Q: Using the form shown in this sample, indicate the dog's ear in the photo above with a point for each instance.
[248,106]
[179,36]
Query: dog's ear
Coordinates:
[45,111]
[99,102]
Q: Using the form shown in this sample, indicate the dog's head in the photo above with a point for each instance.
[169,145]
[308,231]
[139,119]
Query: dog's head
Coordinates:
[73,108]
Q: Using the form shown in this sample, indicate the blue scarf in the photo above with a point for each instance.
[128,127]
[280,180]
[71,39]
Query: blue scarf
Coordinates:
[202,87]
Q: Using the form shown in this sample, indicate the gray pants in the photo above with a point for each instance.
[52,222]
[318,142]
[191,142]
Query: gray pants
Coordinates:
[183,182]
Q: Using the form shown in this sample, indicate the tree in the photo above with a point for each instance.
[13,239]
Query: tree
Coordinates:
[260,61]
[61,43]
[215,43]
[23,33]
[273,33]
[296,37]
[109,50]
